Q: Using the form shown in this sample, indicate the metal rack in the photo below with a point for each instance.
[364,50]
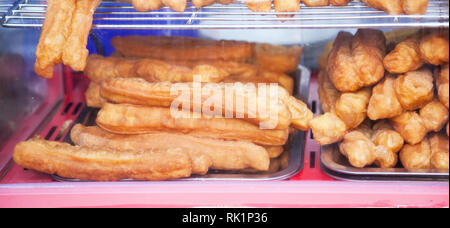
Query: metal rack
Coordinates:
[114,15]
[5,5]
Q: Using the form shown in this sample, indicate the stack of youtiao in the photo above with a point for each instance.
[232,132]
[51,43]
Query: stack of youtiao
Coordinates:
[146,131]
[375,101]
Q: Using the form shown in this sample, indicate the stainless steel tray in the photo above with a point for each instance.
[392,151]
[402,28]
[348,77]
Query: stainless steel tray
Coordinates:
[336,165]
[296,144]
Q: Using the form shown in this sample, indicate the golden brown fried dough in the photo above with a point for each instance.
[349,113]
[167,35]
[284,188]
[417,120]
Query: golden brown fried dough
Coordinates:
[405,57]
[328,94]
[442,84]
[386,136]
[182,48]
[134,119]
[411,126]
[75,52]
[393,7]
[277,58]
[352,107]
[152,70]
[204,153]
[259,5]
[328,128]
[201,3]
[265,77]
[274,151]
[177,5]
[93,98]
[315,3]
[286,6]
[384,103]
[147,5]
[415,6]
[55,31]
[434,48]
[415,89]
[434,116]
[339,2]
[280,112]
[85,163]
[356,62]
[439,144]
[358,148]
[417,156]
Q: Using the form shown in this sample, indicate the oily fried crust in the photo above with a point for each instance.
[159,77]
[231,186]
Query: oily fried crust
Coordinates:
[415,89]
[405,57]
[133,119]
[384,103]
[415,6]
[356,61]
[139,92]
[434,48]
[75,52]
[182,48]
[439,144]
[99,68]
[93,98]
[204,152]
[277,58]
[147,5]
[85,163]
[442,84]
[393,7]
[55,31]
[259,5]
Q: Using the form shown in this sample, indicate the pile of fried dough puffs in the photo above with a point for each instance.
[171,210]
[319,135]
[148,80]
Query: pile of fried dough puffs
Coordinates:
[385,99]
[392,6]
[137,136]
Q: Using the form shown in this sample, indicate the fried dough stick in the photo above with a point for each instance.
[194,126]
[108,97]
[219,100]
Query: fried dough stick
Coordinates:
[152,70]
[286,6]
[259,5]
[314,3]
[415,126]
[357,62]
[55,31]
[393,7]
[147,5]
[365,146]
[135,119]
[277,58]
[85,163]
[434,48]
[442,84]
[93,98]
[182,48]
[201,3]
[343,112]
[432,152]
[75,51]
[408,92]
[414,6]
[280,112]
[405,57]
[219,154]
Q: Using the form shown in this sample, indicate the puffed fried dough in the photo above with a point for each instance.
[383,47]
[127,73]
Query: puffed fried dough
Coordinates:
[442,84]
[93,98]
[328,94]
[182,48]
[415,6]
[152,70]
[277,58]
[405,57]
[435,116]
[384,103]
[75,51]
[386,136]
[204,152]
[286,6]
[439,144]
[85,163]
[314,3]
[239,69]
[417,156]
[328,128]
[411,126]
[356,62]
[434,48]
[415,89]
[274,151]
[276,115]
[265,77]
[259,5]
[55,31]
[147,5]
[339,2]
[201,3]
[134,119]
[393,7]
[177,5]
[352,107]
[358,149]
